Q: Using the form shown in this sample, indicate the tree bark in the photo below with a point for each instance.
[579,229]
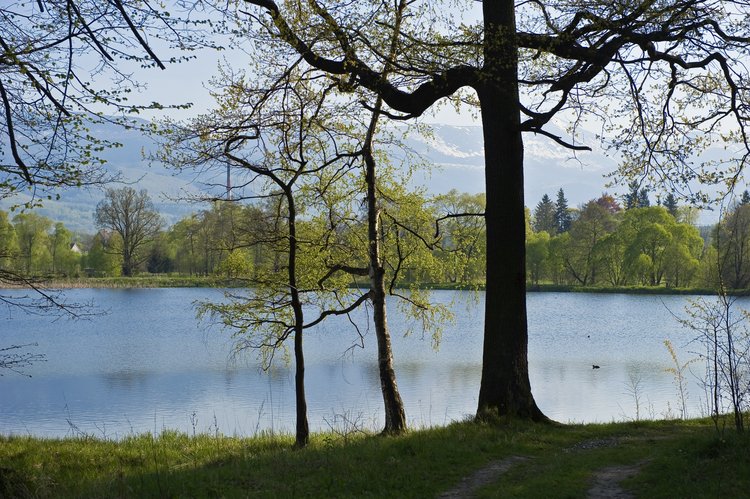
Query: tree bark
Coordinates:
[395,416]
[302,433]
[505,388]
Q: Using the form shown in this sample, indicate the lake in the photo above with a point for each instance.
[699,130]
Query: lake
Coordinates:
[147,365]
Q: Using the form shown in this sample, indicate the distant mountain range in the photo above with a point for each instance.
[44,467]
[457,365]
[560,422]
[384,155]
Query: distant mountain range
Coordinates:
[456,152]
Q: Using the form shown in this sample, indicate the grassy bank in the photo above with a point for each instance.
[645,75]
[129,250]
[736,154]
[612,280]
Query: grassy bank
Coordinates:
[143,281]
[676,459]
[633,290]
[569,288]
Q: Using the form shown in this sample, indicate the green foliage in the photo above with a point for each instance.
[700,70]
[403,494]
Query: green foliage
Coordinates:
[237,264]
[64,260]
[462,235]
[101,260]
[677,459]
[670,203]
[8,240]
[645,246]
[637,197]
[537,255]
[32,235]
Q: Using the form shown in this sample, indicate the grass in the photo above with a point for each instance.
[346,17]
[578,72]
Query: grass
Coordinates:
[682,459]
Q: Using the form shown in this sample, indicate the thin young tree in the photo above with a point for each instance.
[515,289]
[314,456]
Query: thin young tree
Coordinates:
[281,135]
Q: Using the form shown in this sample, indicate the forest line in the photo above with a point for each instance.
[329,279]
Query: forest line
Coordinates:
[603,243]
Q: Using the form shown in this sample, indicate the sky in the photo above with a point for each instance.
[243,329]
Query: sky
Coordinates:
[185,82]
[188,82]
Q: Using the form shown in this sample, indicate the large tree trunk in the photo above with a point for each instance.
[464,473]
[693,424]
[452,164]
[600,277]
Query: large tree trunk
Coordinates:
[505,387]
[395,416]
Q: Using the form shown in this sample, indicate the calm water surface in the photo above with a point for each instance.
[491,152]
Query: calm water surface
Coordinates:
[148,365]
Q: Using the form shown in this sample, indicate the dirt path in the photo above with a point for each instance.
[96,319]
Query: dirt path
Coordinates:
[606,483]
[485,476]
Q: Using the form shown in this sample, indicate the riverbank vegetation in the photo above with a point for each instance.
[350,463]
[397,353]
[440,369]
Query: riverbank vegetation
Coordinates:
[666,459]
[605,245]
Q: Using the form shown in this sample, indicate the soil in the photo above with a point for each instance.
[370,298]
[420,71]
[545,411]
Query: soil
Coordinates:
[485,476]
[605,481]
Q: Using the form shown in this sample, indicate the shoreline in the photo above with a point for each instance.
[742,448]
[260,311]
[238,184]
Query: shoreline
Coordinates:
[222,282]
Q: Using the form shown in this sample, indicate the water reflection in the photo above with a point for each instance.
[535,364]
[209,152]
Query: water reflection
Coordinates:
[148,366]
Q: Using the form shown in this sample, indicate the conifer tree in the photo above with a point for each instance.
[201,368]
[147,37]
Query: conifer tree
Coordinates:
[670,203]
[562,215]
[545,216]
[636,197]
[643,201]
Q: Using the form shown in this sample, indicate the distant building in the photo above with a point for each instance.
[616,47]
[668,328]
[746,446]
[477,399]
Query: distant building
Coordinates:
[76,249]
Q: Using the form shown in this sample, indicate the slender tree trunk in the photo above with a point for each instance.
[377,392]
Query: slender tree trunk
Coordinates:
[302,434]
[395,416]
[505,386]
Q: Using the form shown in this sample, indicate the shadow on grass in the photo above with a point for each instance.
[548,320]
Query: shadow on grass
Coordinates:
[419,464]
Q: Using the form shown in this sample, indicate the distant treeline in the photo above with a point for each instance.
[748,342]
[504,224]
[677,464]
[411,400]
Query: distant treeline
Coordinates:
[236,240]
[602,243]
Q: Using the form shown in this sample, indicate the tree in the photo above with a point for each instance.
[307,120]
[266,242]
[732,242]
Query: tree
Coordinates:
[597,59]
[723,332]
[537,254]
[610,255]
[670,203]
[160,259]
[131,215]
[682,255]
[579,244]
[648,232]
[609,203]
[545,219]
[31,230]
[732,240]
[289,149]
[562,214]
[461,227]
[637,197]
[236,265]
[101,258]
[8,241]
[183,235]
[63,259]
